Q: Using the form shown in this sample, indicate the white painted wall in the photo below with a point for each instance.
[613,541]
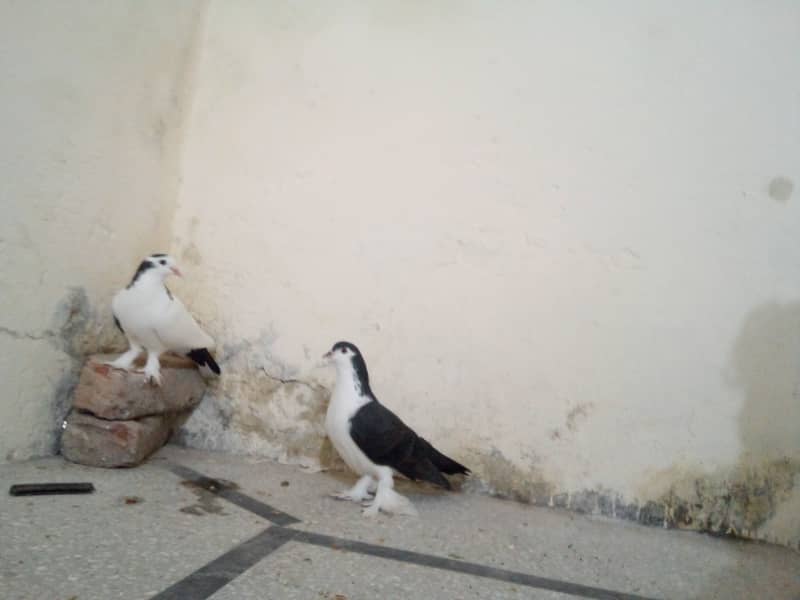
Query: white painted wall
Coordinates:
[548,227]
[563,235]
[91,114]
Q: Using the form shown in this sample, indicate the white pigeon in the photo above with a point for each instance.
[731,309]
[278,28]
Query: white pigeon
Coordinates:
[374,442]
[155,321]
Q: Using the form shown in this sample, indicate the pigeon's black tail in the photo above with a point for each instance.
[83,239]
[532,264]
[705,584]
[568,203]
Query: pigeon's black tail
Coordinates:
[446,464]
[203,358]
[422,461]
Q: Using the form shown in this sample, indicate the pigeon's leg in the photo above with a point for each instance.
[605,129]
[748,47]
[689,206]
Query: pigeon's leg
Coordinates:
[152,368]
[125,360]
[371,489]
[357,493]
[386,499]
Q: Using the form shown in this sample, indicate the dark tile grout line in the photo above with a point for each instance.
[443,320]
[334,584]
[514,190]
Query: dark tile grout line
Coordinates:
[460,566]
[208,579]
[204,582]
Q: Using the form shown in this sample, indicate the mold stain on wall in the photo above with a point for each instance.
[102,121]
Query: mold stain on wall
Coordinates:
[780,189]
[759,496]
[260,407]
[738,502]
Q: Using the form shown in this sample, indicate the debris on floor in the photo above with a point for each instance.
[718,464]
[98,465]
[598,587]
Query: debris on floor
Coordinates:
[42,489]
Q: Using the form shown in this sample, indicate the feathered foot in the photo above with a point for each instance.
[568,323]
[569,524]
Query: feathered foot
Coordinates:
[125,361]
[359,492]
[387,500]
[152,369]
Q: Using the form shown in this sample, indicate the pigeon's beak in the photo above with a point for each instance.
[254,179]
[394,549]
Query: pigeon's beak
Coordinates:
[327,355]
[177,271]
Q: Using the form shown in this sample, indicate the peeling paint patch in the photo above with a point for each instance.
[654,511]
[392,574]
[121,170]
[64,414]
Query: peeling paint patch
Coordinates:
[498,476]
[261,407]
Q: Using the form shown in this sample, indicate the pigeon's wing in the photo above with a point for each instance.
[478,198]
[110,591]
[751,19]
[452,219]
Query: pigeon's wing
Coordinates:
[118,308]
[379,432]
[386,440]
[178,330]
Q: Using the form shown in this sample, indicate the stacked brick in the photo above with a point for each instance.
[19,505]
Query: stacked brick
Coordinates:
[117,419]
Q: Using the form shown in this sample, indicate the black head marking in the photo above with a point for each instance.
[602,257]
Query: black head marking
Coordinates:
[157,255]
[143,266]
[359,365]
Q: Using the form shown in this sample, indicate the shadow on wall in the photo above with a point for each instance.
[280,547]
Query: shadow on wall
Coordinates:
[765,363]
[759,497]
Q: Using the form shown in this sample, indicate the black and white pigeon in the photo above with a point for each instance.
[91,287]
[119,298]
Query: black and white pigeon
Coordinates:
[155,321]
[374,442]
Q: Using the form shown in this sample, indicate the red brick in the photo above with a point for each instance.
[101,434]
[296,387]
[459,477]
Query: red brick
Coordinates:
[100,443]
[114,394]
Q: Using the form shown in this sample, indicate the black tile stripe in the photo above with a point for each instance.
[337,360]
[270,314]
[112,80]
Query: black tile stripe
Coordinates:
[219,572]
[459,566]
[263,510]
[207,580]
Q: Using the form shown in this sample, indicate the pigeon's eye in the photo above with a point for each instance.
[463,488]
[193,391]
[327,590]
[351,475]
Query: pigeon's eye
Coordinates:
[162,261]
[344,350]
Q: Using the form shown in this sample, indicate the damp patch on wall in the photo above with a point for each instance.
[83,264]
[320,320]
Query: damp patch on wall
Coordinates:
[757,500]
[76,329]
[261,407]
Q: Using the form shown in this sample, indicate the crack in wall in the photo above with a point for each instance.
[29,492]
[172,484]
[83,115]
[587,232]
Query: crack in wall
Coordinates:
[314,387]
[261,406]
[24,335]
[76,330]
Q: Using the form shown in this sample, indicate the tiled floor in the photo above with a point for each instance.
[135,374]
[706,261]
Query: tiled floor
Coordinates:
[154,531]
